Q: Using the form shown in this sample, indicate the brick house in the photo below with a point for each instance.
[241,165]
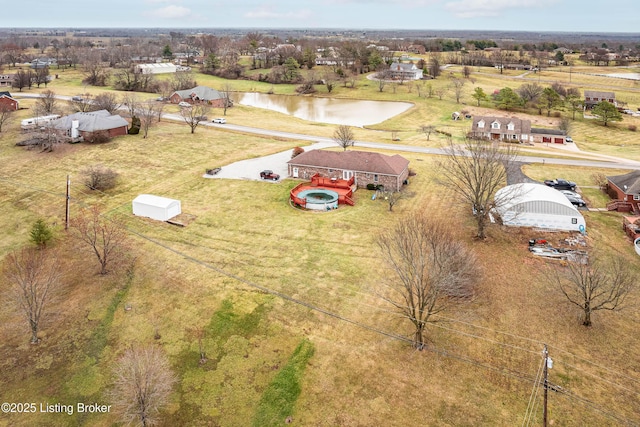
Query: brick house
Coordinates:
[509,129]
[6,101]
[625,190]
[92,123]
[593,97]
[199,95]
[365,167]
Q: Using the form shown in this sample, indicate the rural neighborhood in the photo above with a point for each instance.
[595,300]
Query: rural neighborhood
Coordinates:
[242,227]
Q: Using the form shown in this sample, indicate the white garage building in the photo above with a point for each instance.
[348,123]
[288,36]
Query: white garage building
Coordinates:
[539,206]
[156,207]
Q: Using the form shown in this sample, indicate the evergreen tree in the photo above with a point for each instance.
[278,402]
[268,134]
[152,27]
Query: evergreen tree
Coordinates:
[40,233]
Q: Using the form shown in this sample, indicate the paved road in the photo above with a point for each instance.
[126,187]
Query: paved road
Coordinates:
[250,169]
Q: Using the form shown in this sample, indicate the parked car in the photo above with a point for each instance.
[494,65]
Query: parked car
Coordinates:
[76,98]
[184,104]
[220,120]
[561,184]
[201,118]
[568,139]
[268,174]
[574,198]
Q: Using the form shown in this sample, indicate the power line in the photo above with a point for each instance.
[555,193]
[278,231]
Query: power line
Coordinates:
[502,371]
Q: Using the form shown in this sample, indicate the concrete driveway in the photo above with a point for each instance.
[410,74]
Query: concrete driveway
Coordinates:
[251,168]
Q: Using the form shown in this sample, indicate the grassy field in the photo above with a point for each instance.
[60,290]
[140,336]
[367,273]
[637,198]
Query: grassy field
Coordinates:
[285,301]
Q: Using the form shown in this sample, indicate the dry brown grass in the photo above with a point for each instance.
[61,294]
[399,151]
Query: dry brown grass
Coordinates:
[245,235]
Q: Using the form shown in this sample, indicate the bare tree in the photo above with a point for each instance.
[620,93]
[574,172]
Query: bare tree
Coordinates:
[142,386]
[22,79]
[434,66]
[343,136]
[5,114]
[382,77]
[106,101]
[41,76]
[32,276]
[457,84]
[99,177]
[130,101]
[329,80]
[95,74]
[47,103]
[226,95]
[147,113]
[105,237]
[474,172]
[393,197]
[430,268]
[194,115]
[427,130]
[530,93]
[441,91]
[596,285]
[82,104]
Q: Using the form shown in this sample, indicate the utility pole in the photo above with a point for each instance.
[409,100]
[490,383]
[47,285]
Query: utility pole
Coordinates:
[548,364]
[66,214]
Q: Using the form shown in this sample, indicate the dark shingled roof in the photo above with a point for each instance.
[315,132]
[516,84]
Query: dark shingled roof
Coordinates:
[360,161]
[631,180]
[543,131]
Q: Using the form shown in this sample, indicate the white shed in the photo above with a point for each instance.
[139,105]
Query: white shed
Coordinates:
[539,206]
[156,207]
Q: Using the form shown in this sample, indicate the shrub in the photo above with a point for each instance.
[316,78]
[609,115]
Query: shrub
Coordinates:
[135,126]
[371,186]
[99,178]
[632,128]
[98,137]
[297,151]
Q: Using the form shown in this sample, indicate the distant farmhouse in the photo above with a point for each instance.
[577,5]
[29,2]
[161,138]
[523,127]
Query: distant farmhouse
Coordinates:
[399,71]
[199,95]
[6,80]
[593,97]
[513,129]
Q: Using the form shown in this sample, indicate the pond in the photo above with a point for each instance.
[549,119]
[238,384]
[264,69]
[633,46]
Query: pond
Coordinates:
[325,110]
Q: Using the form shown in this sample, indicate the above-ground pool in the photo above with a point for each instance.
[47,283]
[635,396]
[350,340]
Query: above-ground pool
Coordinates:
[319,199]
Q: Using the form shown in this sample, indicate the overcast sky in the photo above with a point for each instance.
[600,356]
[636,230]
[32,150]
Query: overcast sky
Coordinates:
[526,15]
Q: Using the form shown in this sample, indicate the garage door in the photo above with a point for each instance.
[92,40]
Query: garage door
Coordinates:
[558,140]
[546,139]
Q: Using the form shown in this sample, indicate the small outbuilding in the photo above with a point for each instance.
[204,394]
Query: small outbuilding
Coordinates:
[156,207]
[539,206]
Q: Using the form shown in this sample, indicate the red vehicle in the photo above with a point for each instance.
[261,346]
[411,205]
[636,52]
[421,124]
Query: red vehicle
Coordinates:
[268,174]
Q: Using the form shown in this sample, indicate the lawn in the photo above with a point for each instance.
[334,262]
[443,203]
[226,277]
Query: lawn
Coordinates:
[285,301]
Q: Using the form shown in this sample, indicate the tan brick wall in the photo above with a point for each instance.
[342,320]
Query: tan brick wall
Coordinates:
[362,179]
